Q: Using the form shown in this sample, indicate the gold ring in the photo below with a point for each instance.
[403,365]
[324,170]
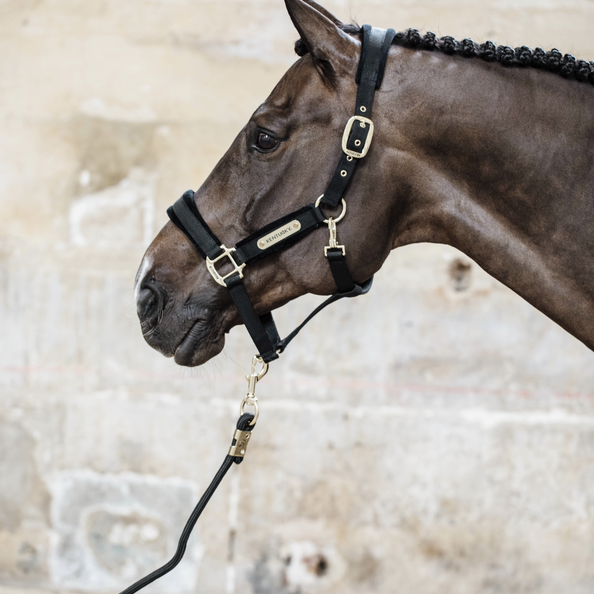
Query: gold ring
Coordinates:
[340,217]
[252,402]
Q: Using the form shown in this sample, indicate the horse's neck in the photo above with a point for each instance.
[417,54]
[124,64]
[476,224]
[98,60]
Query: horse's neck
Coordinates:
[499,163]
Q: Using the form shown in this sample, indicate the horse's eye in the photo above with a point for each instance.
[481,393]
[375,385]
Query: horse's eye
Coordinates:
[267,142]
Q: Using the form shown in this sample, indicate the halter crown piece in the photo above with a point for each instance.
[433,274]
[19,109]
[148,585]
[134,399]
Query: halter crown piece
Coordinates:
[279,234]
[285,231]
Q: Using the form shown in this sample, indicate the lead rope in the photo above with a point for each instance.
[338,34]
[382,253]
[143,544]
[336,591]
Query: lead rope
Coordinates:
[241,438]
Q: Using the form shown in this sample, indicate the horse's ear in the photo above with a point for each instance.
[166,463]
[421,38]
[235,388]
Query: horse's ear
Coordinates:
[325,12]
[322,34]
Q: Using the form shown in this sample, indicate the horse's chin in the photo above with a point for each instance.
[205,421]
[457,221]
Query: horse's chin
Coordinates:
[199,356]
[199,345]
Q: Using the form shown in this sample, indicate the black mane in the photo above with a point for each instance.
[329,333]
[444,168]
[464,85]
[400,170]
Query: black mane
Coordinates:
[553,61]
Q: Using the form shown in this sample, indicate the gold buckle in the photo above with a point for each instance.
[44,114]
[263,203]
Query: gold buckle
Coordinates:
[363,122]
[210,266]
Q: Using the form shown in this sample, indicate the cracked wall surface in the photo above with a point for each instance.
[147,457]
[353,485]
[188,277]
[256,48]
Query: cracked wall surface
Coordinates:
[450,446]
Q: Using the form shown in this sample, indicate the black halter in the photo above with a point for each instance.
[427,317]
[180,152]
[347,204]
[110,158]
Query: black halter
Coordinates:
[285,231]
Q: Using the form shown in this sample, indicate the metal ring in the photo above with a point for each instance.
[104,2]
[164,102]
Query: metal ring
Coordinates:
[340,217]
[252,401]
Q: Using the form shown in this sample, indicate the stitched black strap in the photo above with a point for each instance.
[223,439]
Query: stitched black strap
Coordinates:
[243,424]
[342,277]
[265,343]
[376,43]
[390,34]
[374,54]
[184,213]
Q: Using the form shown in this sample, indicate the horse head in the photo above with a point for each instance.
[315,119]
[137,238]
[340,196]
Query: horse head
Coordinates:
[280,161]
[490,155]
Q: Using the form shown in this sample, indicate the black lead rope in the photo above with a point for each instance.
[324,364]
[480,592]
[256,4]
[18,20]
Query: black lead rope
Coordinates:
[274,237]
[243,426]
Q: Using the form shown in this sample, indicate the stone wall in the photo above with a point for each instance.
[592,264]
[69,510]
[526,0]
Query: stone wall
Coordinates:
[450,450]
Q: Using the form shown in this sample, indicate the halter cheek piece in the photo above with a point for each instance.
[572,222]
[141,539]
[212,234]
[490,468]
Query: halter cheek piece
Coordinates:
[283,232]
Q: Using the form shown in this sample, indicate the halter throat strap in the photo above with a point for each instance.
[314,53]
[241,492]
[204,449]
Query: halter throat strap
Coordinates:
[290,228]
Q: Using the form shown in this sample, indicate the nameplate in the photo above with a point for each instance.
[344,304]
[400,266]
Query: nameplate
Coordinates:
[279,234]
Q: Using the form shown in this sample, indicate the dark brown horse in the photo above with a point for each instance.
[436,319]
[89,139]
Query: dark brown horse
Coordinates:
[496,161]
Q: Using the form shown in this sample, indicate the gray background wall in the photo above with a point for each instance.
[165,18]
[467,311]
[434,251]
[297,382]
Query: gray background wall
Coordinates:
[452,450]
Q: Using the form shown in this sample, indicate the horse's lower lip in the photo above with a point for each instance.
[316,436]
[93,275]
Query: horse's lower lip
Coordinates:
[198,346]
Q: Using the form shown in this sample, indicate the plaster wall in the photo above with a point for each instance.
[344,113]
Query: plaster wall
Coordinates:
[451,447]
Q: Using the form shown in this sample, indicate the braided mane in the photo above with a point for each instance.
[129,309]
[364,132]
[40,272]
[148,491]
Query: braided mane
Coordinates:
[552,61]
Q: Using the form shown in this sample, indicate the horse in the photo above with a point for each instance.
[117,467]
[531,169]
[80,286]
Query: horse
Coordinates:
[485,148]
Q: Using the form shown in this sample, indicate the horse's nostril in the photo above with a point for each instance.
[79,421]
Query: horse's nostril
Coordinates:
[149,304]
[146,303]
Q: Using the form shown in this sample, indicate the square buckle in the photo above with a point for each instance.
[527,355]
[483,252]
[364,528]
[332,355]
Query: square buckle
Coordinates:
[363,122]
[210,266]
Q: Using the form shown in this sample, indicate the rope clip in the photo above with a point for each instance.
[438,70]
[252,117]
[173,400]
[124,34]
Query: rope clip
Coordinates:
[253,378]
[333,241]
